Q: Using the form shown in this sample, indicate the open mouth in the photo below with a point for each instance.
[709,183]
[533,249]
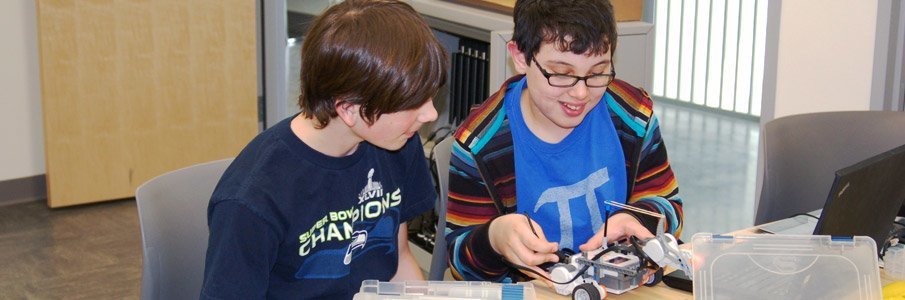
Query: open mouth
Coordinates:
[572,109]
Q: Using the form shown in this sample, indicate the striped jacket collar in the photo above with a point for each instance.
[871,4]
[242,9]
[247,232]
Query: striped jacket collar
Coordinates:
[630,107]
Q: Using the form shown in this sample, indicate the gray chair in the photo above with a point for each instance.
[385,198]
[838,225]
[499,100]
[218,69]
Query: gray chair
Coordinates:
[172,210]
[803,152]
[442,153]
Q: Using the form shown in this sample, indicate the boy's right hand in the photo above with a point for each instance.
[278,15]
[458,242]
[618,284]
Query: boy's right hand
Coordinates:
[511,236]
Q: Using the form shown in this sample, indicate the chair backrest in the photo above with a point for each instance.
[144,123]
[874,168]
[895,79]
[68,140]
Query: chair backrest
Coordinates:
[172,210]
[803,152]
[442,153]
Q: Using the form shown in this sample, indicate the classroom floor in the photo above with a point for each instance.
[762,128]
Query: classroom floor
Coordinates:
[94,251]
[85,252]
[714,157]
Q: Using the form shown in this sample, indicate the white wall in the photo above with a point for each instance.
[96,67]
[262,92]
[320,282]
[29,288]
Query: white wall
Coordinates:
[21,130]
[825,56]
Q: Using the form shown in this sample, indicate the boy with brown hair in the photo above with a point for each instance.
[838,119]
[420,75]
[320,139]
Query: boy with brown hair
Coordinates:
[319,202]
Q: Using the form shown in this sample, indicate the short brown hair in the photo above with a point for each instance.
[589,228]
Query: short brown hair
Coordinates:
[379,54]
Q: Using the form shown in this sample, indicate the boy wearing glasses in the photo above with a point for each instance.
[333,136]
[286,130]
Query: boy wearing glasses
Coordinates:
[319,202]
[554,144]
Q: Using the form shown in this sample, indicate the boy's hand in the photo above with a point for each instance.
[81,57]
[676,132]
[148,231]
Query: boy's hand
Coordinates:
[619,226]
[511,236]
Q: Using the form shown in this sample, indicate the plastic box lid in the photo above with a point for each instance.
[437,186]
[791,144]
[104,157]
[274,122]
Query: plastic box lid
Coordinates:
[785,267]
[436,290]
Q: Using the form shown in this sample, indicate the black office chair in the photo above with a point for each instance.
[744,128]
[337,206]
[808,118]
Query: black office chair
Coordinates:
[803,152]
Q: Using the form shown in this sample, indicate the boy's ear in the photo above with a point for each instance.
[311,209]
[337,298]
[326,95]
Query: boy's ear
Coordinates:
[518,58]
[348,112]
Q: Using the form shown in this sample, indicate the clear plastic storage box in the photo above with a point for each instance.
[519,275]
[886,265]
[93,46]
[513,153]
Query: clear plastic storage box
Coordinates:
[784,267]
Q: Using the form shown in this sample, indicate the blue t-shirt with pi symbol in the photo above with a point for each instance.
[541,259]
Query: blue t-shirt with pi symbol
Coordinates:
[563,186]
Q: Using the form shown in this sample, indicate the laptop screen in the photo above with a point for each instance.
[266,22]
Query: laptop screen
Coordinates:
[866,197]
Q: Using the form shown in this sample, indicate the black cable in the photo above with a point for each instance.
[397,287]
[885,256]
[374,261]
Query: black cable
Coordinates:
[641,255]
[583,269]
[577,275]
[606,212]
[899,233]
[523,268]
[804,214]
[531,225]
[436,137]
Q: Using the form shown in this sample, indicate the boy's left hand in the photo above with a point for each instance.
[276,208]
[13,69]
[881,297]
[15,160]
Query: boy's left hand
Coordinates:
[619,226]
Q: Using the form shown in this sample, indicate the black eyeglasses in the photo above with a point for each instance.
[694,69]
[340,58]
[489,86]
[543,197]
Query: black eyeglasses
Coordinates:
[563,80]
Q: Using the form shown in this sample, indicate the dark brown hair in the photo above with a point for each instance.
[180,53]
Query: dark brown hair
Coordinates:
[379,54]
[590,24]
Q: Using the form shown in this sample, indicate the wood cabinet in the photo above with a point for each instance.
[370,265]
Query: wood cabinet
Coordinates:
[133,89]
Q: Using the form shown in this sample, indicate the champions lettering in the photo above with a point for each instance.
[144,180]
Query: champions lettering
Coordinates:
[337,225]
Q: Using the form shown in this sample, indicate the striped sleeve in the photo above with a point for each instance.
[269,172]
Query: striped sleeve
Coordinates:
[468,214]
[656,188]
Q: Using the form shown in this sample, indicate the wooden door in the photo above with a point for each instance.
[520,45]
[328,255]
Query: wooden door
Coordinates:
[133,89]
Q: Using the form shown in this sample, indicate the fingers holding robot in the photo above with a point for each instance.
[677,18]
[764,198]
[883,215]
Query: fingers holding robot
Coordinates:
[620,267]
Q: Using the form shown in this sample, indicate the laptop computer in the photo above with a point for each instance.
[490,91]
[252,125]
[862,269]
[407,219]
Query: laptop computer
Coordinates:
[863,200]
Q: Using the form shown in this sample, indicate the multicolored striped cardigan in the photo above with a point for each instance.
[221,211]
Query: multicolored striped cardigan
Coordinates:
[482,177]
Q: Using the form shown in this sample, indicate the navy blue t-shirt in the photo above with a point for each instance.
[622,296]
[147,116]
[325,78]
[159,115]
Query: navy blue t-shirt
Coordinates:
[288,222]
